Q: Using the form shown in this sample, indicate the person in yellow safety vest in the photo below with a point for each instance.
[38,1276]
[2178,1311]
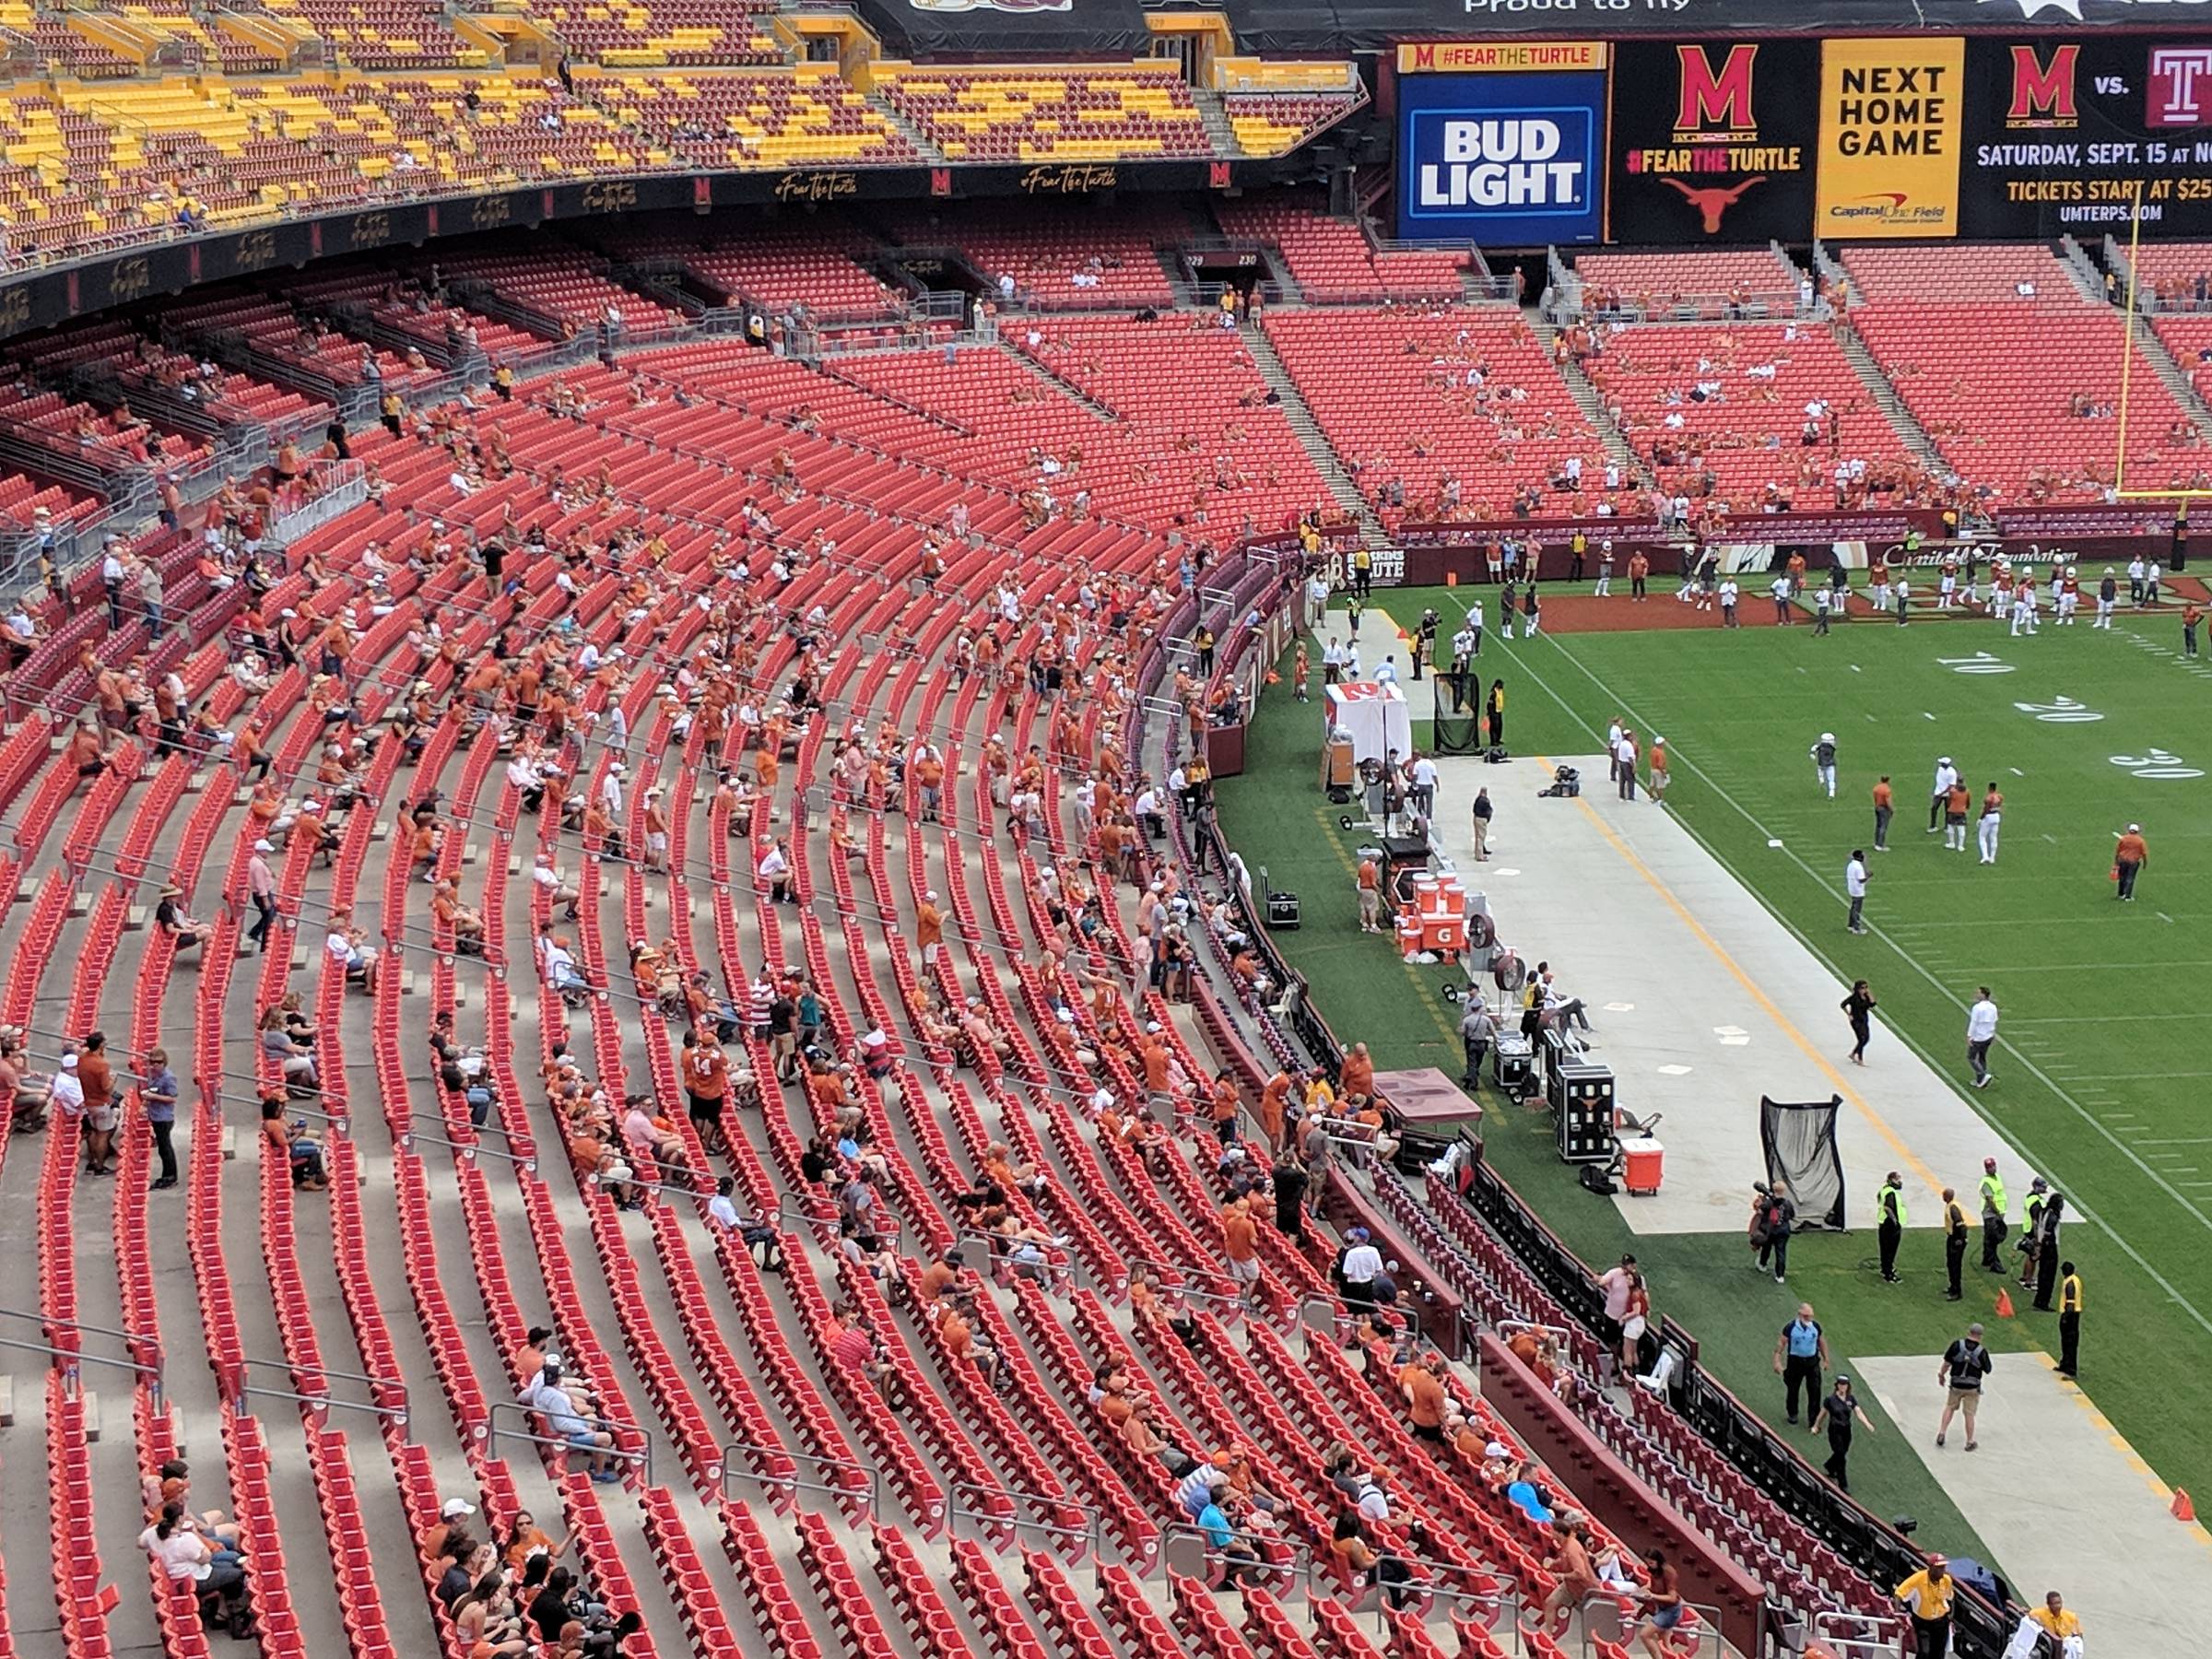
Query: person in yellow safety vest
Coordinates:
[1363,571]
[1994,1226]
[2069,1321]
[1890,1216]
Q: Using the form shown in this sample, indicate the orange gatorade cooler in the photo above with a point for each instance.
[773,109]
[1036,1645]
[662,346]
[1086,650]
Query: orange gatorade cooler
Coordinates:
[1645,1162]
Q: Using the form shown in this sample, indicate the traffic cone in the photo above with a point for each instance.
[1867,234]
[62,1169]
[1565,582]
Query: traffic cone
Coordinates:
[2003,1302]
[2182,1509]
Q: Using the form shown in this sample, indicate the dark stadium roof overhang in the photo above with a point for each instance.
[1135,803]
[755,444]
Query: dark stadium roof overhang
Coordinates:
[1121,28]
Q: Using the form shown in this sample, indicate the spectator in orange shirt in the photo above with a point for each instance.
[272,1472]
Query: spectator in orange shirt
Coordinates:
[1275,1102]
[1422,1384]
[1225,1103]
[1240,1244]
[929,928]
[1370,896]
[1357,1077]
[941,1275]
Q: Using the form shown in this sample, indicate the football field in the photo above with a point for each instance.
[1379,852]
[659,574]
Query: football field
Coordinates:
[2100,1063]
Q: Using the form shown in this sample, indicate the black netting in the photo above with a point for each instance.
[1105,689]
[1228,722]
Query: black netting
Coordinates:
[1799,1141]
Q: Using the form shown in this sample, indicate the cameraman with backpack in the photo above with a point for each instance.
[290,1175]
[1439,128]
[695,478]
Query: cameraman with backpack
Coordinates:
[1773,1218]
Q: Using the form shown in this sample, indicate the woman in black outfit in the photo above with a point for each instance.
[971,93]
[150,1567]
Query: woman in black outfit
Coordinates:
[2046,1250]
[1858,1008]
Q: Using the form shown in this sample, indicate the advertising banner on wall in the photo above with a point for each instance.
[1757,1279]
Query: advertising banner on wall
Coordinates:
[1496,152]
[2063,136]
[1892,121]
[1712,141]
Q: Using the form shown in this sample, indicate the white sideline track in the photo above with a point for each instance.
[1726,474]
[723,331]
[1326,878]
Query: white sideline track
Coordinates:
[2051,1473]
[1724,1003]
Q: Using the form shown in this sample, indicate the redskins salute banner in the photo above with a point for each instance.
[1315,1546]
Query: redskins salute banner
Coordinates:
[2063,136]
[1712,141]
[1892,121]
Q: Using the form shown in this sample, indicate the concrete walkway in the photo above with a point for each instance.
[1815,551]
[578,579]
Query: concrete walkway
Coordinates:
[1701,1000]
[2051,1473]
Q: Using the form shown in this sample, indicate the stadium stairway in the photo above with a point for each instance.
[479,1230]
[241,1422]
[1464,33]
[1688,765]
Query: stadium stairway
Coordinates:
[1884,397]
[1215,119]
[1342,490]
[900,122]
[1587,399]
[2154,354]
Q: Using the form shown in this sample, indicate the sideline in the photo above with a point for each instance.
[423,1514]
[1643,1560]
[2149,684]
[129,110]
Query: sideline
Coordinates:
[2052,1471]
[1758,993]
[1996,1126]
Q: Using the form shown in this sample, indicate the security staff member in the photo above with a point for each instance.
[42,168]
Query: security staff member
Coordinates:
[1800,1356]
[1953,1241]
[2069,1319]
[1890,1216]
[1994,1225]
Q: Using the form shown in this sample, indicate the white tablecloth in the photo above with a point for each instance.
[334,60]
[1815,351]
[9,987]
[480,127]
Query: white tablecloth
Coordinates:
[1375,715]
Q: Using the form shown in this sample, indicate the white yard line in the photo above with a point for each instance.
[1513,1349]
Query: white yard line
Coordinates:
[2193,1210]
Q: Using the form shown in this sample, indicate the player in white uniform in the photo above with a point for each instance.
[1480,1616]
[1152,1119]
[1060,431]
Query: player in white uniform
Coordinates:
[1824,763]
[1945,775]
[2023,605]
[1947,585]
[1993,811]
[2069,596]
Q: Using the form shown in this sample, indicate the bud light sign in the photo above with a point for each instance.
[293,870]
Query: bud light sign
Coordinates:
[1506,160]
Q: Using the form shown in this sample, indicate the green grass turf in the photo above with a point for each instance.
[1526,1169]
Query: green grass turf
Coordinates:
[2100,1079]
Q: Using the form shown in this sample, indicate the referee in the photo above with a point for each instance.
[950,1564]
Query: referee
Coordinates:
[1953,1241]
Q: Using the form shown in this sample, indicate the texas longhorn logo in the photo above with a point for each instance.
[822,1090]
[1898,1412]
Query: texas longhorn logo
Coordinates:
[1712,202]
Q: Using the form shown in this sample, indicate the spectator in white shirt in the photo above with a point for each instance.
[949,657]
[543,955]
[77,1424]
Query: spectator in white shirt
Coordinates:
[774,872]
[1361,1265]
[547,881]
[349,946]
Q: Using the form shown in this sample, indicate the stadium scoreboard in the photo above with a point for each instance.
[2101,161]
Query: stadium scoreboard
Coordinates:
[1640,141]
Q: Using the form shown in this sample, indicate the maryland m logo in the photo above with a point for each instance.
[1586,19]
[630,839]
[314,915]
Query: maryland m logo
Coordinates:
[1716,97]
[2043,95]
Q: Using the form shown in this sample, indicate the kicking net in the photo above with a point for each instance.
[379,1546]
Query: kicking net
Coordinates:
[1799,1141]
[1457,731]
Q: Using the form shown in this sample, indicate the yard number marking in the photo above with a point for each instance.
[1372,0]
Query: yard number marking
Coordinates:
[1980,663]
[2158,763]
[2060,711]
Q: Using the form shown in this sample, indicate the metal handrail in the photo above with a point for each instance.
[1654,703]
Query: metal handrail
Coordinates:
[1062,1275]
[234,1374]
[732,1470]
[491,1433]
[70,1362]
[1859,1635]
[1090,1536]
[467,1151]
[1708,1625]
[1297,1572]
[149,1355]
[1492,1604]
